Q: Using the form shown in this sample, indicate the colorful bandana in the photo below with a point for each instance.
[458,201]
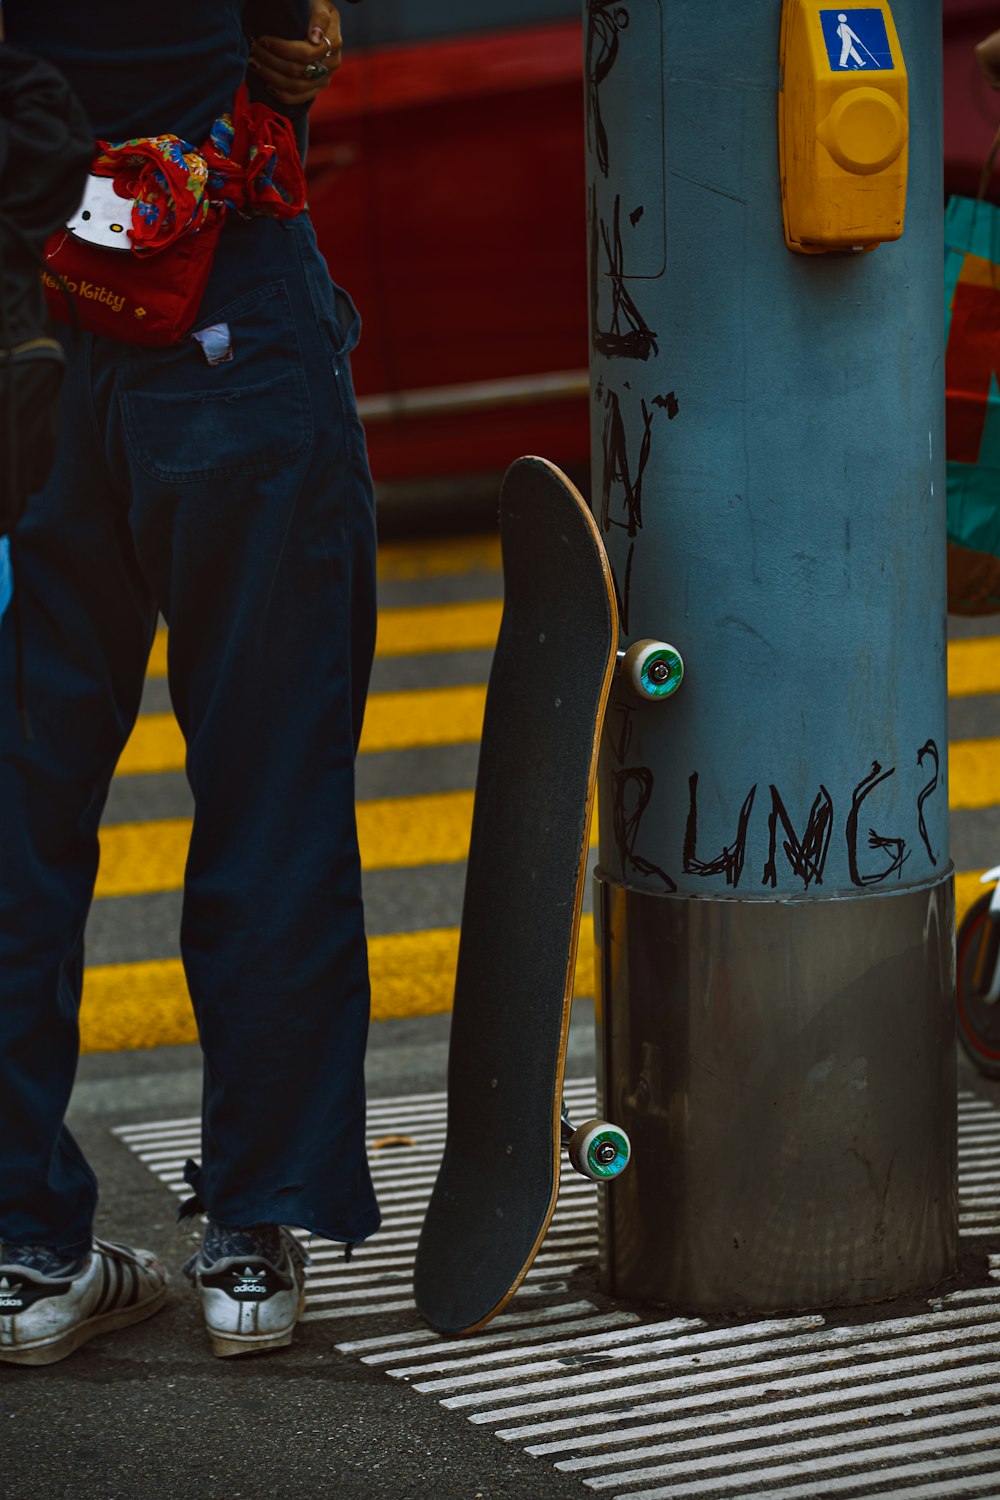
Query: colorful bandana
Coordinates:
[249,165]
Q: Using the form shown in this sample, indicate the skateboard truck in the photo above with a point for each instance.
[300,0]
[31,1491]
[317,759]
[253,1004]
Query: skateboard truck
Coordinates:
[652,669]
[597,1149]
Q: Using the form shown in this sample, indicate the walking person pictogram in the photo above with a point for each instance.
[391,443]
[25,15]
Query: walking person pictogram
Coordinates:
[849,38]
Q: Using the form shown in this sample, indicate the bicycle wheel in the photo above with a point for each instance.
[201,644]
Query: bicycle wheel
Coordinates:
[978,943]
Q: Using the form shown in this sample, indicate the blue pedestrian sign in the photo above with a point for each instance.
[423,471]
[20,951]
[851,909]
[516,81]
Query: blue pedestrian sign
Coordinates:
[856,40]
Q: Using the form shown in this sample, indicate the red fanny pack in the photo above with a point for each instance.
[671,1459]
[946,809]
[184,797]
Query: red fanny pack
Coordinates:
[136,257]
[125,296]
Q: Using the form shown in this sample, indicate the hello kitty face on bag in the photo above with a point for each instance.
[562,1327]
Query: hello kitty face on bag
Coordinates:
[103,218]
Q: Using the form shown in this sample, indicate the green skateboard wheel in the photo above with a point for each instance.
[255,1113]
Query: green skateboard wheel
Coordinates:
[599,1150]
[653,669]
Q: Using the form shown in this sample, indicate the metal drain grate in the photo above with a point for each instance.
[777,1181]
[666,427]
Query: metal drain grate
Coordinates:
[781,1407]
[675,1409]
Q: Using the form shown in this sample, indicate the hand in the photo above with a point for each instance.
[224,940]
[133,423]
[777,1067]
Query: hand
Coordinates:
[295,72]
[988,57]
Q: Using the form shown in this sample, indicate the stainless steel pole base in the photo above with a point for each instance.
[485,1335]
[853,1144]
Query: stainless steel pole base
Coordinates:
[786,1072]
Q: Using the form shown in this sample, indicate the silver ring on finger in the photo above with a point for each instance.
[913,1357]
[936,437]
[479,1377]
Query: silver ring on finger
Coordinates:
[315,70]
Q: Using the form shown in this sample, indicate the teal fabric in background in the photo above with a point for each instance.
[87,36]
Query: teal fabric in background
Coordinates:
[972,227]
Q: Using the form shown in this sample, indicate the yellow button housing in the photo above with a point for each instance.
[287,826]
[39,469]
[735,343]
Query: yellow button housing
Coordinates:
[843,126]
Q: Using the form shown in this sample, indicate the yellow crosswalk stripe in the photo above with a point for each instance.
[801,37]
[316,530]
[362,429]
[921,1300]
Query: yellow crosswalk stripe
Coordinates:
[441,627]
[446,627]
[147,1005]
[974,773]
[974,666]
[395,833]
[393,721]
[445,557]
[407,632]
[157,665]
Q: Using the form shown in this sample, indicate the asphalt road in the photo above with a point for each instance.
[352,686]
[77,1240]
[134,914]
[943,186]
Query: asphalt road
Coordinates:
[148,1414]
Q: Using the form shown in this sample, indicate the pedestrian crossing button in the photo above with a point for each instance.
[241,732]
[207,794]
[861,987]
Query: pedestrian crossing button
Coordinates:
[843,127]
[865,131]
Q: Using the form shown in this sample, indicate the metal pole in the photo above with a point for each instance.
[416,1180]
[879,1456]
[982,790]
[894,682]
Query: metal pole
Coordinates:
[774,898]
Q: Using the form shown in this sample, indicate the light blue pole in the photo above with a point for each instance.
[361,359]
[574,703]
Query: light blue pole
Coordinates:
[774,895]
[6,584]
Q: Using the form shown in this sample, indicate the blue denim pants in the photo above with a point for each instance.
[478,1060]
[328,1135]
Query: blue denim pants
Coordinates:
[235,499]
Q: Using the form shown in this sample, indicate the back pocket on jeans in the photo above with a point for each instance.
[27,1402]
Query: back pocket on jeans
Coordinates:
[253,429]
[250,415]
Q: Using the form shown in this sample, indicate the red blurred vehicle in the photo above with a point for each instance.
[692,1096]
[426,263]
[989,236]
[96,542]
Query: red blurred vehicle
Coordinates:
[446,180]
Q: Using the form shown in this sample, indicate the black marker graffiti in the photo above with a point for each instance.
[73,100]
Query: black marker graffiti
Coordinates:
[632,792]
[733,857]
[627,336]
[606,19]
[894,846]
[930,749]
[807,856]
[623,590]
[618,471]
[670,404]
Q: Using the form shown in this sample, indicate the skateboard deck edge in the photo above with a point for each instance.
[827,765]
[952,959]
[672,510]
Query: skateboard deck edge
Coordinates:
[570,972]
[570,979]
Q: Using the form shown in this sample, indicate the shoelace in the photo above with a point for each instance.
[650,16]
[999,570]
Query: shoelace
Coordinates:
[259,1240]
[269,1242]
[48,1263]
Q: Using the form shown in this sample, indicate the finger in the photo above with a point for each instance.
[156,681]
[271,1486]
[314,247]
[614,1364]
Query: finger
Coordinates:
[288,75]
[281,49]
[280,68]
[278,79]
[279,71]
[295,66]
[324,22]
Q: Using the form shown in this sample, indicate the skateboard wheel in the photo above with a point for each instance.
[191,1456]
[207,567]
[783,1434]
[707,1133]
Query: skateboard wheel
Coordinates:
[599,1150]
[653,669]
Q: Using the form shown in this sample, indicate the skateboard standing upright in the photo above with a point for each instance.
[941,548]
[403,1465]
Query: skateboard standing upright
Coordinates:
[552,672]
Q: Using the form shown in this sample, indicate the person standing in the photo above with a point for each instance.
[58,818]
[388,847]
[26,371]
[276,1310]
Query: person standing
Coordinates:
[220,480]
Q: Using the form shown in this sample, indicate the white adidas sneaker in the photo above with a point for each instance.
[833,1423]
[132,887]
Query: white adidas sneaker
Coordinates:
[252,1287]
[48,1307]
